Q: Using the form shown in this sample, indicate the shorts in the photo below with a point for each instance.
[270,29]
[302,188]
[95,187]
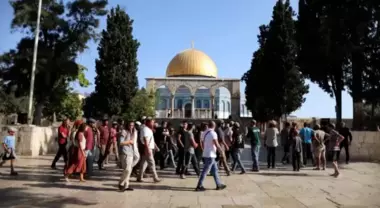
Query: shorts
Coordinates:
[335,155]
[9,156]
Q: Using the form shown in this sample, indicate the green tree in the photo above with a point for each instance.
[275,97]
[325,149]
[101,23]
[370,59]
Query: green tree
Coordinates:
[65,30]
[70,107]
[142,104]
[275,87]
[116,80]
[322,55]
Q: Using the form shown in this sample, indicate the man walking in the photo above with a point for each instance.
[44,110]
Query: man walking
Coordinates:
[103,143]
[147,160]
[91,134]
[306,134]
[63,133]
[285,142]
[254,136]
[346,143]
[211,145]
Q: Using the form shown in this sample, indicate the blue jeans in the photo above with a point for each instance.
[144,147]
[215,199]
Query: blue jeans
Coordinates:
[255,152]
[236,154]
[209,165]
[90,162]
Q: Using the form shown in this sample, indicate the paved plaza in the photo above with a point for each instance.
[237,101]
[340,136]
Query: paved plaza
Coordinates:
[39,186]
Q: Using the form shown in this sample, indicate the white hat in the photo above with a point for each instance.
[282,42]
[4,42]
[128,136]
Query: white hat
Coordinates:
[13,129]
[143,118]
[138,123]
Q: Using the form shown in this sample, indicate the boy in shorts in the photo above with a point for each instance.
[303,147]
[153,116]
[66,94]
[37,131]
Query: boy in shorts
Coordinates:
[9,145]
[334,140]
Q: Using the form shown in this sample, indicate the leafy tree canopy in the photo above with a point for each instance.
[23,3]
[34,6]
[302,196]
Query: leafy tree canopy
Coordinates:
[116,80]
[274,85]
[64,32]
[142,104]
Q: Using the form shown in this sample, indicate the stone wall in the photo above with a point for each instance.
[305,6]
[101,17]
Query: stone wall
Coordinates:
[33,140]
[365,146]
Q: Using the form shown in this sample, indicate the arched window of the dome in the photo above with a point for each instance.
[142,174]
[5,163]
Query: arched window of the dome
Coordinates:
[206,104]
[228,107]
[223,106]
[163,104]
[199,104]
[179,103]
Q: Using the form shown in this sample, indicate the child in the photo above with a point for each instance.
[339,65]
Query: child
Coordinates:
[9,145]
[296,148]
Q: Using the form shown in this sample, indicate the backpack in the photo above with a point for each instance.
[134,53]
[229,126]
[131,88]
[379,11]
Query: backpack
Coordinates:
[238,139]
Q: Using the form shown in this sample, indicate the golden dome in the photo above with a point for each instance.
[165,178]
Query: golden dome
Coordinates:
[191,62]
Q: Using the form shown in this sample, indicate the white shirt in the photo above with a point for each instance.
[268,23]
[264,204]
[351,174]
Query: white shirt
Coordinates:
[147,134]
[209,147]
[128,135]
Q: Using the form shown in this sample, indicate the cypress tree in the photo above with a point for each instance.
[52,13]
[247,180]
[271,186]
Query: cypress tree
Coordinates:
[117,65]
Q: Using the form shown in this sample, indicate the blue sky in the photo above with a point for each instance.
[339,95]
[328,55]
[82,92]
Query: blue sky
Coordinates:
[226,30]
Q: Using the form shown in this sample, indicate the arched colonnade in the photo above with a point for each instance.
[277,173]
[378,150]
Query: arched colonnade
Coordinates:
[173,84]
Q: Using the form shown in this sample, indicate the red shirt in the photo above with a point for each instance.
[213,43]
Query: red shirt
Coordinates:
[104,135]
[89,134]
[63,133]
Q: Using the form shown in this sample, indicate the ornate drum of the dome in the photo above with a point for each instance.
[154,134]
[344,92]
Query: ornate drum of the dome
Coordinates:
[191,63]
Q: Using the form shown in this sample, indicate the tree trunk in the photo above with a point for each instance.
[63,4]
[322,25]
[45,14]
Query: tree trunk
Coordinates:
[357,90]
[338,107]
[38,113]
[373,106]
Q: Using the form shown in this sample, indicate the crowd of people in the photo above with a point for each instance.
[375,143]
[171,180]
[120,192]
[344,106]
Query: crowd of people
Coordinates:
[137,146]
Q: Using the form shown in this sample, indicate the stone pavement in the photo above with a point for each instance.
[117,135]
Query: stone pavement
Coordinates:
[39,186]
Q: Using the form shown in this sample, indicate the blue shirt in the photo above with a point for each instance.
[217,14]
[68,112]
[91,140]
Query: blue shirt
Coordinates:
[10,141]
[306,134]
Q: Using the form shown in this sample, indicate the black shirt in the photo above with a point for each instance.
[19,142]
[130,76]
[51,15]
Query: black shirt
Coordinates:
[346,133]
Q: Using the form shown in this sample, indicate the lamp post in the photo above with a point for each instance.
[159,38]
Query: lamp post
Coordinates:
[33,73]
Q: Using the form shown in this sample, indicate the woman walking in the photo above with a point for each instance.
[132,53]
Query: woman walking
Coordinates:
[270,141]
[129,154]
[77,162]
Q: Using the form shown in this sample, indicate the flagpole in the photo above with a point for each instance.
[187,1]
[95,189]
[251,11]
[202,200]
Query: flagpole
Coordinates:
[33,74]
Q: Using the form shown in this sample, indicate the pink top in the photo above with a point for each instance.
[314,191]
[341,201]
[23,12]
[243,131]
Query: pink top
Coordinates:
[113,134]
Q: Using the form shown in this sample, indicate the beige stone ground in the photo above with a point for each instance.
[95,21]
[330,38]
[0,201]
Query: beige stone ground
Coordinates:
[39,186]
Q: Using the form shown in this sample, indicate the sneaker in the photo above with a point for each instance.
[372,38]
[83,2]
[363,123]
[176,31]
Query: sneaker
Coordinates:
[182,176]
[122,188]
[129,189]
[221,187]
[157,180]
[201,188]
[242,172]
[14,173]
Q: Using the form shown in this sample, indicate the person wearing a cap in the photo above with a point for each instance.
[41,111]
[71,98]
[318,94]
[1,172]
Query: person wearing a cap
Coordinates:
[9,145]
[63,135]
[334,146]
[237,148]
[92,135]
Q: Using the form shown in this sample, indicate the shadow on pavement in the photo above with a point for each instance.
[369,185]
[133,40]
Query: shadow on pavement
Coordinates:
[70,186]
[151,186]
[18,197]
[277,174]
